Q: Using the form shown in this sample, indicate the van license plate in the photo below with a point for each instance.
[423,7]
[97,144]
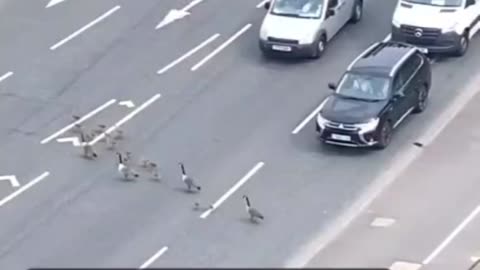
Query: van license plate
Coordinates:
[339,137]
[282,48]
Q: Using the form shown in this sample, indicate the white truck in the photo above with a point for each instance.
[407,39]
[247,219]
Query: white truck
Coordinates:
[440,26]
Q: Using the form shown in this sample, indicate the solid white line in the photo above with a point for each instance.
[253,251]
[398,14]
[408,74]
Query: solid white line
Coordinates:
[387,38]
[79,31]
[87,116]
[23,188]
[188,54]
[221,47]
[154,258]
[125,119]
[452,235]
[5,76]
[309,117]
[225,196]
[262,3]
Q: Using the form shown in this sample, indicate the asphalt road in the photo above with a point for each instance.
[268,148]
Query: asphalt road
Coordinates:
[221,120]
[428,218]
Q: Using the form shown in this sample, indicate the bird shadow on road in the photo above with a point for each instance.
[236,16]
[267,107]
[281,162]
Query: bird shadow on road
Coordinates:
[247,220]
[184,190]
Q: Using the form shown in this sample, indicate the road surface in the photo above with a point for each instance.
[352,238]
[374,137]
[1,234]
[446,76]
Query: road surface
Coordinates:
[221,117]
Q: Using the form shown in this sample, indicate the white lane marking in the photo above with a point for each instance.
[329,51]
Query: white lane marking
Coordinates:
[176,14]
[405,266]
[52,3]
[261,4]
[191,5]
[225,196]
[81,30]
[188,54]
[125,119]
[401,161]
[84,118]
[74,140]
[452,235]
[387,38]
[309,118]
[5,76]
[172,16]
[127,103]
[221,47]
[154,258]
[23,188]
[12,179]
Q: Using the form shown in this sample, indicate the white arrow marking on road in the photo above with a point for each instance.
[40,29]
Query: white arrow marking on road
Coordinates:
[127,103]
[74,140]
[176,14]
[53,3]
[12,178]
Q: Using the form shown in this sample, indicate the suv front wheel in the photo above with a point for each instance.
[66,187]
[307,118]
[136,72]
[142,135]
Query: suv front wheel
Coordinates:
[385,135]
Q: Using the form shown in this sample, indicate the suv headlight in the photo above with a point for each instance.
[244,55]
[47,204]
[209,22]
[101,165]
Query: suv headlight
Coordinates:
[368,126]
[451,28]
[321,121]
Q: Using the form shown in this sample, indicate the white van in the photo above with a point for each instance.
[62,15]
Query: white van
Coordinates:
[441,26]
[303,27]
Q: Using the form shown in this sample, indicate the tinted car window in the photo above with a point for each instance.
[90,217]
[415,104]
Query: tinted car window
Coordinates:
[363,86]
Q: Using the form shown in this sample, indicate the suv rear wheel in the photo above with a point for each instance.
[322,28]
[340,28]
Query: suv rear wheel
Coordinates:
[422,99]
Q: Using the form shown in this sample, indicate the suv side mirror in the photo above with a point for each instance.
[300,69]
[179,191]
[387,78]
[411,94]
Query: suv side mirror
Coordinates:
[267,5]
[330,13]
[332,4]
[332,86]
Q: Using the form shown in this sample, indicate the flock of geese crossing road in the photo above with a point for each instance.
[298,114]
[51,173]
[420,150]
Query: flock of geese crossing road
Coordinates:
[126,165]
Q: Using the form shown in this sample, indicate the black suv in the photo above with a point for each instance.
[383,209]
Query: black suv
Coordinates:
[381,87]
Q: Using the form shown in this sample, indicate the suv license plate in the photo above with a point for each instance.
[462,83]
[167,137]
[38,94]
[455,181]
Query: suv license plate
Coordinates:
[282,48]
[341,137]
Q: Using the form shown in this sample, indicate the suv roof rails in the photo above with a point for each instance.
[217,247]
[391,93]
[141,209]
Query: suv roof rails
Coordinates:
[378,46]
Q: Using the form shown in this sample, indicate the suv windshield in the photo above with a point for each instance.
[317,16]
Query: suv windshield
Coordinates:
[298,8]
[364,87]
[439,3]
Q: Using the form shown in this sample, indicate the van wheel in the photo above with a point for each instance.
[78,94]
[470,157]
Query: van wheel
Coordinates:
[463,45]
[384,135]
[319,47]
[422,99]
[357,12]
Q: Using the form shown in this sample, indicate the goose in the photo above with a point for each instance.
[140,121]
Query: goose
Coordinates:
[252,212]
[88,151]
[187,179]
[152,168]
[124,170]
